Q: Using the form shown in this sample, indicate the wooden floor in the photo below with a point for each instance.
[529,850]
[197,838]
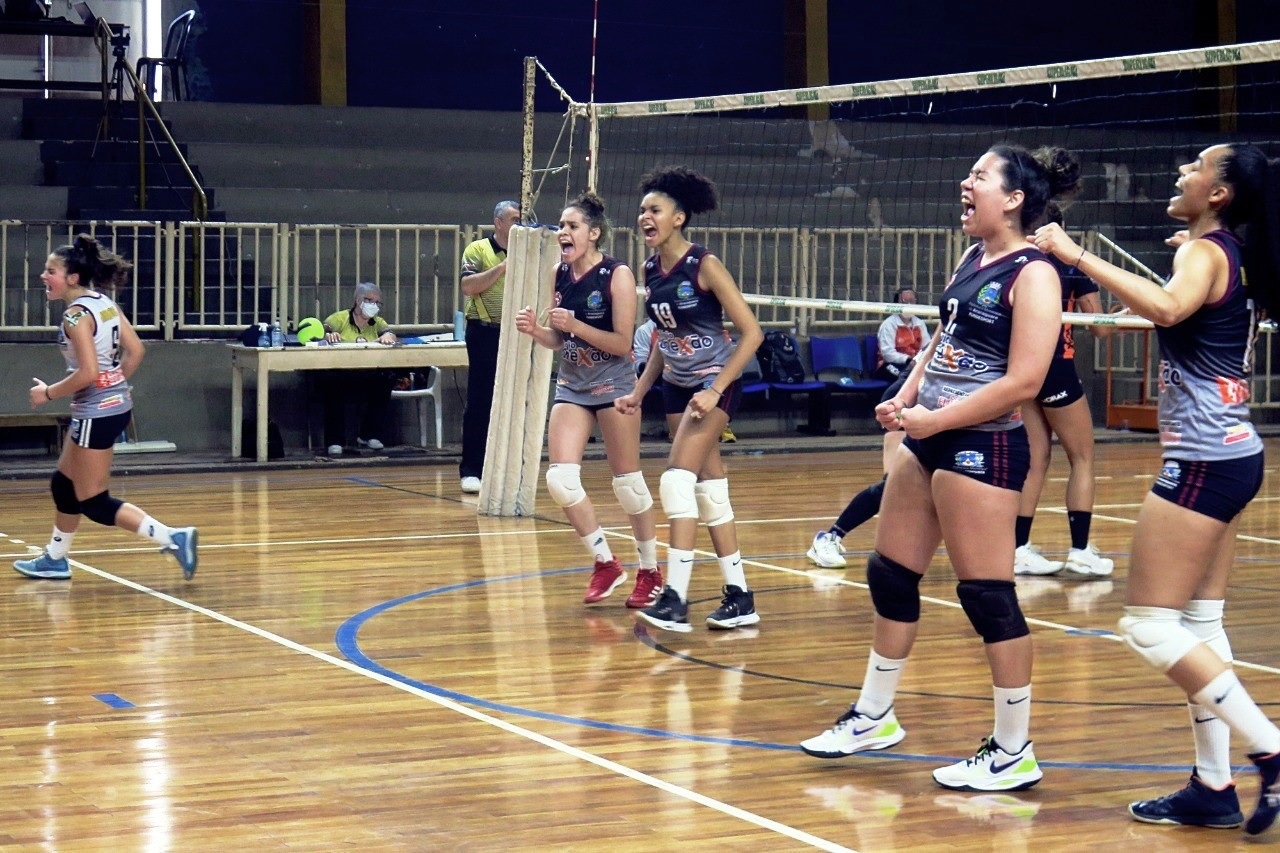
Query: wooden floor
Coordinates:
[363,663]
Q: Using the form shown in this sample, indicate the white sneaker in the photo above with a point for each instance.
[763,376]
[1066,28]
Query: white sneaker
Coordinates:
[1028,561]
[992,769]
[827,551]
[855,732]
[335,450]
[372,444]
[470,485]
[1087,562]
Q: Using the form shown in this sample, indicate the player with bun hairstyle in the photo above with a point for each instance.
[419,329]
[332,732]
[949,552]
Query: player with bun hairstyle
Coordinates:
[1225,272]
[957,477]
[592,325]
[688,292]
[102,352]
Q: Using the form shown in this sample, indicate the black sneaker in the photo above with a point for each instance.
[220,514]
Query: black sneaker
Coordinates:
[1264,816]
[1195,805]
[669,613]
[738,608]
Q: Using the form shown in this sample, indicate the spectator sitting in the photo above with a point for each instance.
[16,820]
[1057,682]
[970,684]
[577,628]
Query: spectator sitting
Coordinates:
[367,393]
[900,339]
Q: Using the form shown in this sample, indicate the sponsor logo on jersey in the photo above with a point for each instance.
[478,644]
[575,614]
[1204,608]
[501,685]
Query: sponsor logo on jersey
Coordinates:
[1171,432]
[1232,391]
[1237,434]
[686,346]
[583,355]
[1053,398]
[595,301]
[953,359]
[989,294]
[1170,474]
[971,462]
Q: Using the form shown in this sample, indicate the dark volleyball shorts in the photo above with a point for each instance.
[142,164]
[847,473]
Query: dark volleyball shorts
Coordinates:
[1061,385]
[1220,489]
[998,459]
[675,399]
[99,433]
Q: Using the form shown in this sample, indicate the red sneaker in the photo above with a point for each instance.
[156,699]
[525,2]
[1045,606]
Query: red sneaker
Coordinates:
[648,586]
[604,580]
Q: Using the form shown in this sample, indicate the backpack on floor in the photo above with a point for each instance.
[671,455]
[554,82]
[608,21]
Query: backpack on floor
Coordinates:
[780,359]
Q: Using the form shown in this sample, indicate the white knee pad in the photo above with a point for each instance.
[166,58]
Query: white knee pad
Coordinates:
[632,493]
[1157,634]
[1203,617]
[713,502]
[564,482]
[676,489]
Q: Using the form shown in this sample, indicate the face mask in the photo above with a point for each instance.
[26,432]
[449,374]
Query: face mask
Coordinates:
[369,310]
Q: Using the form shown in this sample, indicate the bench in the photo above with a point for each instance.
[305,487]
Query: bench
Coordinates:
[56,425]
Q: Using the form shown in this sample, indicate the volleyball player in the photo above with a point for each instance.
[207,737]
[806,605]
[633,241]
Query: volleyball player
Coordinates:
[1184,541]
[1062,409]
[102,352]
[592,325]
[688,292]
[958,475]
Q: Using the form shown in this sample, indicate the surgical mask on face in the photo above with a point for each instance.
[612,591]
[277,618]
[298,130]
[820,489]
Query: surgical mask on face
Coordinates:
[908,316]
[369,309]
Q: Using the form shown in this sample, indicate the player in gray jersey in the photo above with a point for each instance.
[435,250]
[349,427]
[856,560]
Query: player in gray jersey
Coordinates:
[591,323]
[1224,271]
[101,351]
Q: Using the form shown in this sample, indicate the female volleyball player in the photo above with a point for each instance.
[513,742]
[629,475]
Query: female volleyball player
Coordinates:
[688,292]
[102,351]
[592,324]
[1184,541]
[962,466]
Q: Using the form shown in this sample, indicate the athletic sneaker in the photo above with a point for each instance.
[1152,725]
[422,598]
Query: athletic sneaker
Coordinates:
[44,567]
[372,444]
[1195,805]
[648,585]
[335,450]
[604,580]
[727,436]
[184,549]
[827,551]
[1264,816]
[737,608]
[669,613]
[855,732]
[470,485]
[992,769]
[1028,561]
[1087,562]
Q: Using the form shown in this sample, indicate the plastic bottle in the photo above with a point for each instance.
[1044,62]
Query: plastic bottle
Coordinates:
[277,335]
[264,336]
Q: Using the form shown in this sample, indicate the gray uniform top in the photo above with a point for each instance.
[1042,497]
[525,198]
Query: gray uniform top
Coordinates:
[110,394]
[589,376]
[1206,362]
[691,335]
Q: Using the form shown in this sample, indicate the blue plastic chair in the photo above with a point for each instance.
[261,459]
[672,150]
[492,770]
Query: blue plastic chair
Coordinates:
[819,403]
[841,359]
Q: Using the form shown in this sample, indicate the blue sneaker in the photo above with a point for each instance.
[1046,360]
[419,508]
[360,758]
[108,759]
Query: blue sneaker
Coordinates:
[184,550]
[1264,816]
[44,567]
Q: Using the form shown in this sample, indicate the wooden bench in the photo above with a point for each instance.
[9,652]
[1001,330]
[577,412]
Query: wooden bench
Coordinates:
[56,425]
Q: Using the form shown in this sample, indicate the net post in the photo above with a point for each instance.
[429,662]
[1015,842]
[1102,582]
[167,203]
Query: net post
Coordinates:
[593,146]
[526,152]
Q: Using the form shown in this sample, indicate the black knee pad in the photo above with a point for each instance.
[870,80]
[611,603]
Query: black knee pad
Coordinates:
[101,508]
[895,589]
[992,608]
[64,494]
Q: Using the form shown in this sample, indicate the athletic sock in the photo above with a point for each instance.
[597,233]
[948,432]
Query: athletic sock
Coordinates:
[598,544]
[1013,717]
[679,571]
[880,684]
[731,568]
[1022,530]
[1228,699]
[59,544]
[1079,524]
[647,549]
[155,531]
[862,508]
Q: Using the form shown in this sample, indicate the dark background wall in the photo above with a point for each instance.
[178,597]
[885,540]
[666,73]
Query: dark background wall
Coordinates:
[426,53]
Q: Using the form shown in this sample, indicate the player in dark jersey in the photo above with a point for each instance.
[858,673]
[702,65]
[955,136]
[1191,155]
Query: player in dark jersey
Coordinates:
[958,475]
[1061,408]
[591,324]
[102,351]
[1224,272]
[688,292]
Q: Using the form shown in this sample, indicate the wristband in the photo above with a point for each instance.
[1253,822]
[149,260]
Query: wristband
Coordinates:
[47,396]
[717,393]
[1081,258]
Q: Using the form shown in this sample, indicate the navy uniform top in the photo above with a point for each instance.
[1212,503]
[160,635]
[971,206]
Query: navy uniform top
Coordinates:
[1075,284]
[1205,365]
[110,393]
[977,322]
[588,375]
[691,335]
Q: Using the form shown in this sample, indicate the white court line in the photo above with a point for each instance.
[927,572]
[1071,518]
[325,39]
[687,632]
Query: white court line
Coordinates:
[572,751]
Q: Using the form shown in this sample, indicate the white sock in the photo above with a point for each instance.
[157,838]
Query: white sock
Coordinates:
[59,543]
[880,684]
[648,551]
[1213,746]
[1013,717]
[155,531]
[1228,699]
[679,571]
[731,568]
[598,544]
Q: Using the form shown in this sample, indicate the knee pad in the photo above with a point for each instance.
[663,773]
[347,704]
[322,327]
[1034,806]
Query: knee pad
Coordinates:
[101,508]
[632,493]
[1203,617]
[895,589]
[64,494]
[676,489]
[713,502]
[992,608]
[1157,634]
[564,482]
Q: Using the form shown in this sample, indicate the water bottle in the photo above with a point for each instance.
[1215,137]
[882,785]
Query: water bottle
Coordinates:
[277,335]
[264,336]
[459,326]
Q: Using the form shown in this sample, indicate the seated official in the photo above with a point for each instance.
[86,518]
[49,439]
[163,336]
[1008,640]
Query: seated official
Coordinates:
[900,339]
[363,396]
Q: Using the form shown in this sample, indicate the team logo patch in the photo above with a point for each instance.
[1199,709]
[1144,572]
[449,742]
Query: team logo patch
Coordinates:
[971,462]
[989,294]
[1170,474]
[684,290]
[594,301]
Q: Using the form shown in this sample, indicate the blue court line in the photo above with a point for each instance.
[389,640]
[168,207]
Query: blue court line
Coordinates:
[113,701]
[347,640]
